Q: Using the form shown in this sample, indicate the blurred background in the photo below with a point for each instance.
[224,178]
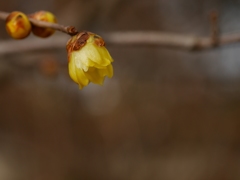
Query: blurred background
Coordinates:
[167,114]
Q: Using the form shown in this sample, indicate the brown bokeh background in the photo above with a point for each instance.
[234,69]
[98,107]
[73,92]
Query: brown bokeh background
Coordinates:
[166,114]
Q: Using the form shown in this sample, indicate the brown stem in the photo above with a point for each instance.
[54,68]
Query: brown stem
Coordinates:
[71,30]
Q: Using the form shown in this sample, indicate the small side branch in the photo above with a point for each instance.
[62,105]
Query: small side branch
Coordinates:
[71,30]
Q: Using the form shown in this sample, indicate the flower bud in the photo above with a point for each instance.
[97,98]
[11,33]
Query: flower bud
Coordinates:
[88,59]
[18,25]
[43,16]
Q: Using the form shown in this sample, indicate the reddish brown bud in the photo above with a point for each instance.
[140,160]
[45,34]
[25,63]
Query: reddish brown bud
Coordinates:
[43,16]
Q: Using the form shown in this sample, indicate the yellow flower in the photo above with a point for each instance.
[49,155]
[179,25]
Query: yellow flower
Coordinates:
[88,59]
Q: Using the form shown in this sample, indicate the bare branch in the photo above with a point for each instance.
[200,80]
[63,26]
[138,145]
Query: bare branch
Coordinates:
[136,38]
[185,42]
[3,15]
[31,44]
[171,40]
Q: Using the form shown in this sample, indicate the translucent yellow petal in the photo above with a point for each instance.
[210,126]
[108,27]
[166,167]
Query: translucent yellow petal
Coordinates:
[95,53]
[78,59]
[108,71]
[98,66]
[82,79]
[105,54]
[77,74]
[72,71]
[94,76]
[101,49]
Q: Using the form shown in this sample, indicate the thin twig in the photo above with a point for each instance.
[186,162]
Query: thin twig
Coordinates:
[71,30]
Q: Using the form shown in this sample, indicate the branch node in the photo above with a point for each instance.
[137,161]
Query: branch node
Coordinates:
[71,30]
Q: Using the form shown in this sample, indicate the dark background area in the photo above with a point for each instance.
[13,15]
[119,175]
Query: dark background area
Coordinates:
[166,114]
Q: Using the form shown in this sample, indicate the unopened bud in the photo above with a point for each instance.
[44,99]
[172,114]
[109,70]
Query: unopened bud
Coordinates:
[43,16]
[18,25]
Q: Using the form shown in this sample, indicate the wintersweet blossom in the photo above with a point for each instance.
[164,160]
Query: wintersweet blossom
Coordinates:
[88,59]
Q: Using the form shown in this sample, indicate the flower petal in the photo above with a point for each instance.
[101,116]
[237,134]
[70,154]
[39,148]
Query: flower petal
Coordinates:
[108,71]
[104,53]
[94,76]
[82,79]
[95,53]
[77,74]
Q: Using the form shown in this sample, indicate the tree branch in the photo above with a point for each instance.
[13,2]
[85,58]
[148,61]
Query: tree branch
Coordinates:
[71,30]
[185,42]
[32,44]
[170,40]
[142,38]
